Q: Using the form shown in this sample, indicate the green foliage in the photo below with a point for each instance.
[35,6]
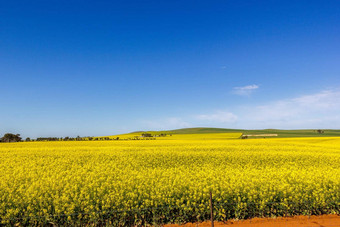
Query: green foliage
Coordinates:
[9,137]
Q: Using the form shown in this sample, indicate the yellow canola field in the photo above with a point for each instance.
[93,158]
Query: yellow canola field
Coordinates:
[138,182]
[170,136]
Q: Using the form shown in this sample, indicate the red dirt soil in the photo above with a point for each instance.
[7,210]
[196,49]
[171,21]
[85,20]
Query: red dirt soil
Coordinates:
[299,221]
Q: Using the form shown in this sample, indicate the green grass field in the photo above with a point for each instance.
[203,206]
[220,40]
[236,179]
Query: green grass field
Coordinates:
[281,133]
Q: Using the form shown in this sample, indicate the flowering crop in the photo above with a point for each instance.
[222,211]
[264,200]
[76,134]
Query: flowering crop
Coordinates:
[167,180]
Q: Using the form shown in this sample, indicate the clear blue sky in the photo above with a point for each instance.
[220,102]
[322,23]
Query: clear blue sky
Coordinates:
[72,68]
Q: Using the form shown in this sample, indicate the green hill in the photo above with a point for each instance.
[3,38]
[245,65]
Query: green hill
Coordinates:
[204,130]
[281,133]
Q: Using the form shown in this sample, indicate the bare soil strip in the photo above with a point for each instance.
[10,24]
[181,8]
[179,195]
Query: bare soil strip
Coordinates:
[297,221]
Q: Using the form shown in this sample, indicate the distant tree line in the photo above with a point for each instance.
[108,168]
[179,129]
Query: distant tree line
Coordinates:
[48,139]
[156,135]
[67,138]
[102,138]
[9,137]
[78,138]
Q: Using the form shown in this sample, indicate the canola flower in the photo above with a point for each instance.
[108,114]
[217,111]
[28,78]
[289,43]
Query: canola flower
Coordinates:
[167,180]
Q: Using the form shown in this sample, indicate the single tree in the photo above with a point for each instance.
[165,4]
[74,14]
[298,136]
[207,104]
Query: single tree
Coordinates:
[9,137]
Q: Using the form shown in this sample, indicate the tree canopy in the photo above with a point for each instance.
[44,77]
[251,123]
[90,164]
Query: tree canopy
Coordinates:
[9,137]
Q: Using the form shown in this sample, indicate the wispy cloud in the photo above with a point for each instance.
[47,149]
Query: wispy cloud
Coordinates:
[324,100]
[308,111]
[219,116]
[245,90]
[318,110]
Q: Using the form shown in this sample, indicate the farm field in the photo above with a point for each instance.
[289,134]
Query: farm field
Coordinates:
[168,180]
[214,131]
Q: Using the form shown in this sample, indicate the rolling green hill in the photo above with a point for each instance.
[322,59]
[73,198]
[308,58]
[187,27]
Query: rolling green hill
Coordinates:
[202,130]
[281,133]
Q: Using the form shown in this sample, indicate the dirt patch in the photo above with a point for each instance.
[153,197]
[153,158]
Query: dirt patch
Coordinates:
[263,135]
[298,221]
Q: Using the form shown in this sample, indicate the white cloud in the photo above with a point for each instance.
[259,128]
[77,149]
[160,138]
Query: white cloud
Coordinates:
[246,90]
[322,100]
[220,117]
[319,110]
